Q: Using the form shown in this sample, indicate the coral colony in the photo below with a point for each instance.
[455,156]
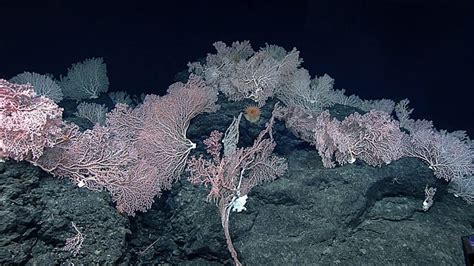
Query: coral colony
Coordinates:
[140,147]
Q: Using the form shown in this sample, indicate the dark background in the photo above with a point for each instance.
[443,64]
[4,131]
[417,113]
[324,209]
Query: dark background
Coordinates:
[421,50]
